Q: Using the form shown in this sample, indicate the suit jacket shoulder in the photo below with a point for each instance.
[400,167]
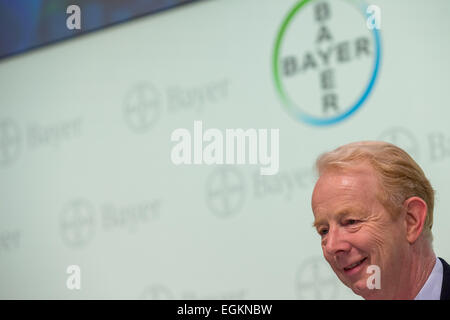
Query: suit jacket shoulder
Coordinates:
[445,289]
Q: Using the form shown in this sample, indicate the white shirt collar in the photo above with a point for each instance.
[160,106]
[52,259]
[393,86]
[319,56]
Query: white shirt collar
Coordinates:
[431,290]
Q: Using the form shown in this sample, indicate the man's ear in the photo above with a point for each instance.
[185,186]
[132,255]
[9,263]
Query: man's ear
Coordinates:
[416,213]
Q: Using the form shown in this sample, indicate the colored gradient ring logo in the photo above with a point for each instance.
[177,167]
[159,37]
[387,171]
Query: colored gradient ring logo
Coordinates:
[323,53]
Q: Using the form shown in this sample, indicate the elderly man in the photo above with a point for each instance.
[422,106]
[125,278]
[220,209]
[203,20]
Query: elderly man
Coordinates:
[373,209]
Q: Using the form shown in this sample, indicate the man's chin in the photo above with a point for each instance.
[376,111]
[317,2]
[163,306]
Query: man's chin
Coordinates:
[360,288]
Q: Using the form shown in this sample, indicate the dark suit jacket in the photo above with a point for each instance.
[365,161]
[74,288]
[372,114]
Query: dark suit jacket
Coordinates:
[445,290]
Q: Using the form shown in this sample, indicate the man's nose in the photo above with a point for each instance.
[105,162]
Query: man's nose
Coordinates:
[335,242]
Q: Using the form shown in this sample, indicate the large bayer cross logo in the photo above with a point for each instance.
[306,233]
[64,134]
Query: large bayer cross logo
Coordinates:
[315,280]
[225,191]
[325,60]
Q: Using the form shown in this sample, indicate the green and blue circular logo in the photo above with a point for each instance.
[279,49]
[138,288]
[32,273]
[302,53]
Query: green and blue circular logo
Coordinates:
[326,60]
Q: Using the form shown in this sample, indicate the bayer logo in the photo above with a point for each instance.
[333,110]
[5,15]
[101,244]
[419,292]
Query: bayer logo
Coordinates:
[142,107]
[9,142]
[402,138]
[77,223]
[156,292]
[325,60]
[316,280]
[225,191]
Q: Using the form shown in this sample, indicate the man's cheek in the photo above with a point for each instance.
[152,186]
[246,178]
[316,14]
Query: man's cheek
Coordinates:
[372,237]
[375,246]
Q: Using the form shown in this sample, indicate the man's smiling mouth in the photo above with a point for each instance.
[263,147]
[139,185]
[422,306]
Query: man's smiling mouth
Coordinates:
[354,265]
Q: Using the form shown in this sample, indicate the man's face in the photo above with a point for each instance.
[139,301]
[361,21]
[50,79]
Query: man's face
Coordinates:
[357,231]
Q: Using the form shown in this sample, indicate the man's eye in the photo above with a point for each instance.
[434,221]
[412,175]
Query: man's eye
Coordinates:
[350,221]
[323,232]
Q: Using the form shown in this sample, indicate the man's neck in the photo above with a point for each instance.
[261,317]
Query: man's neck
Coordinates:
[420,262]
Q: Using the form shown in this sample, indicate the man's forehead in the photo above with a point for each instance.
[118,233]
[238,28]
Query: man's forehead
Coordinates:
[361,174]
[341,191]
